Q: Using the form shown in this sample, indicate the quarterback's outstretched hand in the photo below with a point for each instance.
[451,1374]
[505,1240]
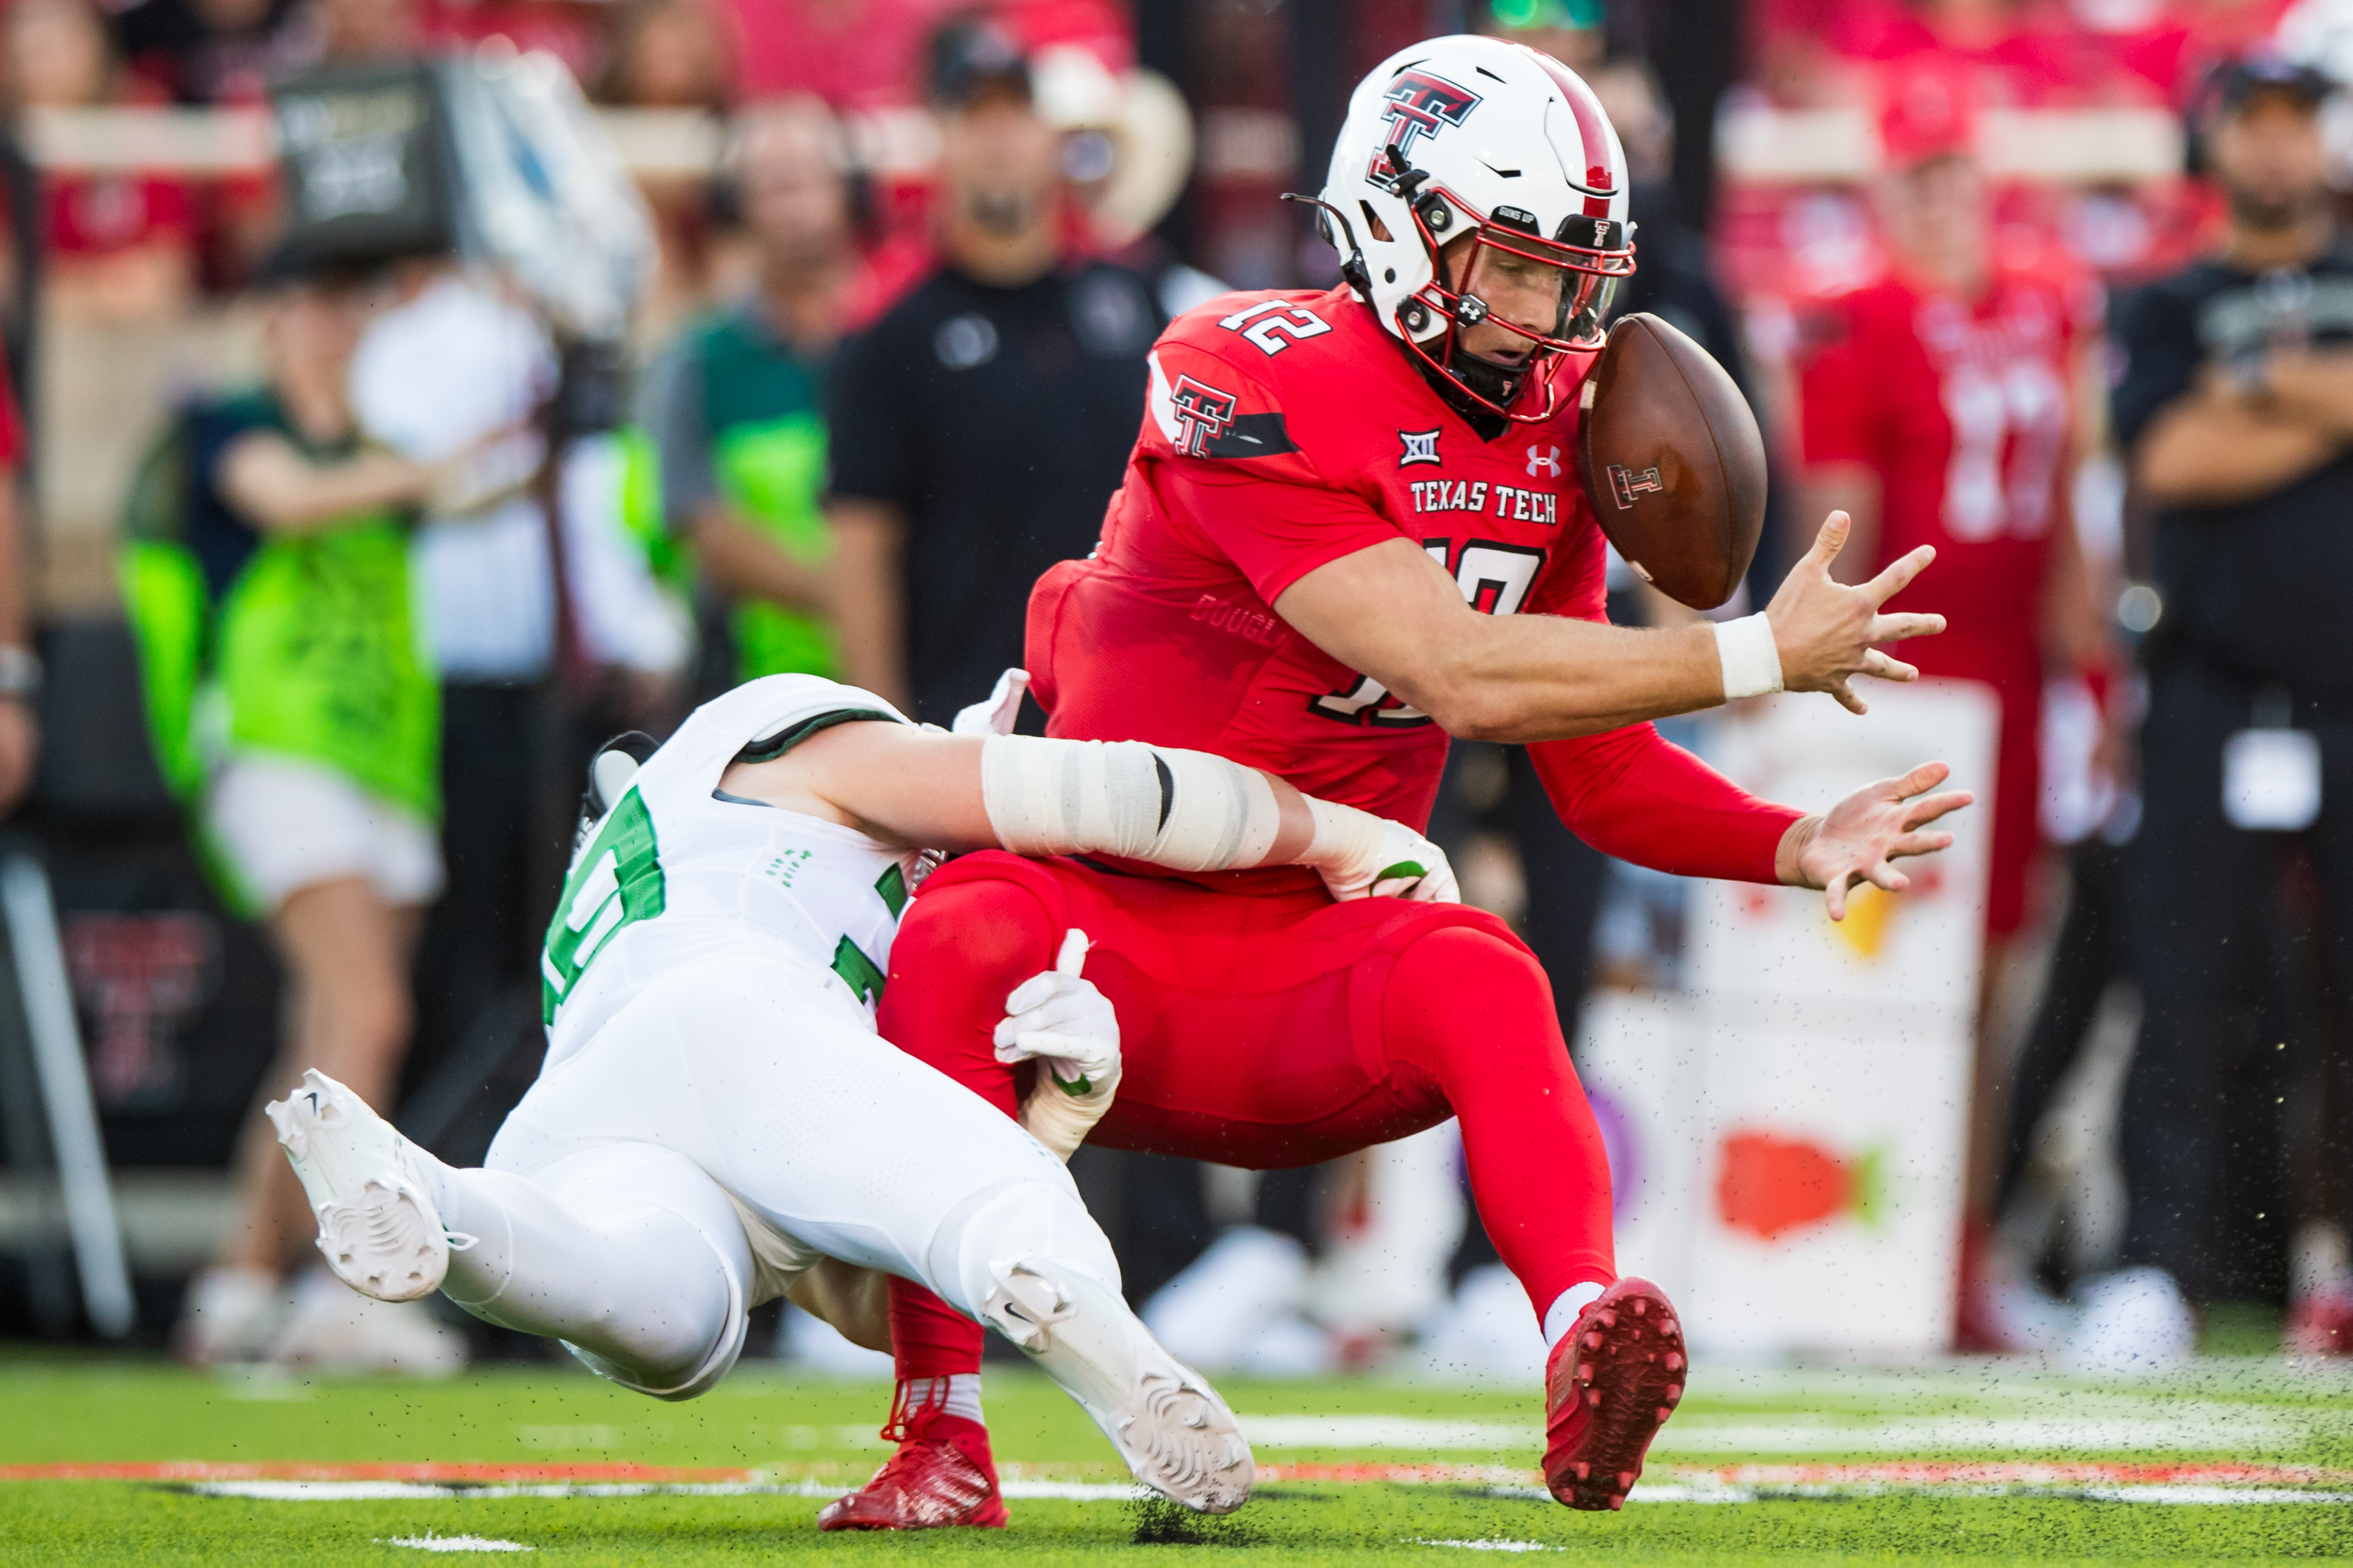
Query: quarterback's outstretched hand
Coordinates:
[1073,1032]
[1855,840]
[1824,630]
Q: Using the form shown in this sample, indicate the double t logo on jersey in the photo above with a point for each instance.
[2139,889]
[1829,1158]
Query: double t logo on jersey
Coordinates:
[1419,104]
[1203,414]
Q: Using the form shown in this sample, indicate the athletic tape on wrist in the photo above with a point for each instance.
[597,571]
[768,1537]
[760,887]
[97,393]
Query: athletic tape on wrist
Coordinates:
[1185,810]
[1752,664]
[1061,1121]
[1345,842]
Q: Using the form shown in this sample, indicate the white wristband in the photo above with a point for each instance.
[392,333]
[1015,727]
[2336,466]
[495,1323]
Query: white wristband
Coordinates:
[1752,665]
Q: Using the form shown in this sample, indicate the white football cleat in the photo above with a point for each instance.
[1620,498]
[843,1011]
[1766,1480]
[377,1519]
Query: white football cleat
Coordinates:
[1176,1434]
[378,1224]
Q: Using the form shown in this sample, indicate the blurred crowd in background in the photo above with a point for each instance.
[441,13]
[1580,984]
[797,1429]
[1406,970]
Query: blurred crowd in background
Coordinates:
[858,351]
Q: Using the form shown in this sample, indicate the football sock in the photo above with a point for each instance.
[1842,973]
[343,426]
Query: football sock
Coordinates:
[960,1396]
[928,1337]
[1562,1317]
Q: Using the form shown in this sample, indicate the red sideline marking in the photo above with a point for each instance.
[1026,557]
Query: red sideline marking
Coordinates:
[283,1471]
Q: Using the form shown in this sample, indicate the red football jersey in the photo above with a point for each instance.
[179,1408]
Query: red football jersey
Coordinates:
[1281,432]
[1961,410]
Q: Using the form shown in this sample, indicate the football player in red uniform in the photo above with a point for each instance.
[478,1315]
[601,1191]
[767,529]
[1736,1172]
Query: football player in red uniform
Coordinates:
[1940,410]
[1352,526]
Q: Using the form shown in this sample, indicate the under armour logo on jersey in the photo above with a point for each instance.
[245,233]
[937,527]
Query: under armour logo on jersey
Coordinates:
[1625,484]
[1421,447]
[1203,414]
[1421,102]
[1543,461]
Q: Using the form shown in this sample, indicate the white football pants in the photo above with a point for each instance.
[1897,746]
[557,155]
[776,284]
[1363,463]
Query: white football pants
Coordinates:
[729,1126]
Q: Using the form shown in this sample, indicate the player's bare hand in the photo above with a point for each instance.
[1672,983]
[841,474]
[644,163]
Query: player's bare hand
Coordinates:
[1824,629]
[1856,841]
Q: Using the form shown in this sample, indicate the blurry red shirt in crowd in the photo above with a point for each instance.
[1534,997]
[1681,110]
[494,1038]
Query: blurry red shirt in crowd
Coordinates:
[2032,54]
[93,214]
[1961,408]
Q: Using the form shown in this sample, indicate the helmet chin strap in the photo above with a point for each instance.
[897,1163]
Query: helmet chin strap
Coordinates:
[1497,383]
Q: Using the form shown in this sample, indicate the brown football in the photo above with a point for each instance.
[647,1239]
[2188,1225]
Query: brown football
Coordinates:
[1673,461]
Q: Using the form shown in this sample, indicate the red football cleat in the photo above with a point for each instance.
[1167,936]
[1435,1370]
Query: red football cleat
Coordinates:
[941,1476]
[1611,1383]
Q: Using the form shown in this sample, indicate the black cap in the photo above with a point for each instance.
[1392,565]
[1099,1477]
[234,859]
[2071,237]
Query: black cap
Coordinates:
[296,263]
[2236,81]
[973,55]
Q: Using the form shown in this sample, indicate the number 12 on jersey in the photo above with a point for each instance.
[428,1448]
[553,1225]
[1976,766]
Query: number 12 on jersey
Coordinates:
[1495,579]
[1274,333]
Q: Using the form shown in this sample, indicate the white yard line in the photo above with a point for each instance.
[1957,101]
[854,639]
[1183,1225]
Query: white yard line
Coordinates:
[2095,1424]
[1385,1432]
[1492,1545]
[431,1542]
[2207,1427]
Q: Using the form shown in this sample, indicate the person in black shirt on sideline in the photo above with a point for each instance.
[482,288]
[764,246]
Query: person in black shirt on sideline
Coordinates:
[2235,412]
[981,426]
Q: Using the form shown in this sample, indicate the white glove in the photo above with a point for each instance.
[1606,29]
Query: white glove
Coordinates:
[997,715]
[1073,1032]
[1359,855]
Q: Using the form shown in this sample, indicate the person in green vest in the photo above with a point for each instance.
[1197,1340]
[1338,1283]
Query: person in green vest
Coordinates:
[267,575]
[732,409]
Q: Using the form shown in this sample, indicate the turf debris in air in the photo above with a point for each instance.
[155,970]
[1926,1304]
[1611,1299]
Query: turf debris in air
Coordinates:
[1975,1463]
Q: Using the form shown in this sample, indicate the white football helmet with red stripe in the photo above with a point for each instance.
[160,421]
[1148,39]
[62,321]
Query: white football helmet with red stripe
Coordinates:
[1473,135]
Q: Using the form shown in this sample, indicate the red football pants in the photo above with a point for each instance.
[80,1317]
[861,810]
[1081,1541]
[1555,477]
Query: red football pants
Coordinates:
[1266,1030]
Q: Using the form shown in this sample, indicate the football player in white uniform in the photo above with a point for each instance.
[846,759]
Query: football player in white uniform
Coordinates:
[712,1121]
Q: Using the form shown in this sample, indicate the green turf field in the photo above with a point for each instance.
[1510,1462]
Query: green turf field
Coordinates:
[1779,1466]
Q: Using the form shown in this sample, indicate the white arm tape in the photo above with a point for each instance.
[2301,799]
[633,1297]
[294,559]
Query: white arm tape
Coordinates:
[1346,841]
[1752,665]
[1185,810]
